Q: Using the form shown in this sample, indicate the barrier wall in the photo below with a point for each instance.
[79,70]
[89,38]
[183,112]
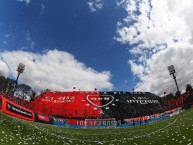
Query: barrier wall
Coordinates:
[73,123]
[42,118]
[79,123]
[152,118]
[138,123]
[59,122]
[13,109]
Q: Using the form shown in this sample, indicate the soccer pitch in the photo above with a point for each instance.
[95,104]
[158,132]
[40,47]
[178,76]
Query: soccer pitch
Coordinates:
[172,131]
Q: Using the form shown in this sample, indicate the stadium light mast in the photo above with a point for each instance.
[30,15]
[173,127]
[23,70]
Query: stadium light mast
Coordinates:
[20,70]
[172,72]
[133,90]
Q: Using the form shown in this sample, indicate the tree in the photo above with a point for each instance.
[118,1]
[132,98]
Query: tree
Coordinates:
[178,94]
[10,87]
[170,95]
[7,86]
[3,82]
[189,88]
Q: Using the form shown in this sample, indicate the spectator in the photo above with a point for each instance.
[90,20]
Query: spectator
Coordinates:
[133,122]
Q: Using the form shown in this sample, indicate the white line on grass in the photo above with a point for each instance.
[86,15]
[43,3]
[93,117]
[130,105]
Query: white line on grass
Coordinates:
[115,140]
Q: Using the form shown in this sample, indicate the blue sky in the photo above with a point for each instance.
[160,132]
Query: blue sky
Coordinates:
[68,26]
[104,44]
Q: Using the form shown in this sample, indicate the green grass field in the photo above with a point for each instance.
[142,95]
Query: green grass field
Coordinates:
[173,131]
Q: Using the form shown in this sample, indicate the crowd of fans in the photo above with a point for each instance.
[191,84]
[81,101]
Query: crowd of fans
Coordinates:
[118,108]
[185,100]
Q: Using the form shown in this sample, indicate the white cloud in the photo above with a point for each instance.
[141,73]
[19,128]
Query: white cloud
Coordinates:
[42,8]
[163,34]
[29,40]
[94,5]
[136,68]
[4,42]
[7,35]
[55,70]
[28,36]
[26,1]
[120,2]
[4,70]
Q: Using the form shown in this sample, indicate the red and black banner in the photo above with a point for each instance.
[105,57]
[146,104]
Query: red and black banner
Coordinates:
[17,110]
[81,105]
[13,109]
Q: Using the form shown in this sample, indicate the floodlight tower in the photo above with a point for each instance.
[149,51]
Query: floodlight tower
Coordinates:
[172,72]
[20,70]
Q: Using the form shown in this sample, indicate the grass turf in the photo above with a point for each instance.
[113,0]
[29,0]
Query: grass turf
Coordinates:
[172,131]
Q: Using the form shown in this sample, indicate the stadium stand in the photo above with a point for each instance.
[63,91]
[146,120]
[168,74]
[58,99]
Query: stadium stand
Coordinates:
[63,108]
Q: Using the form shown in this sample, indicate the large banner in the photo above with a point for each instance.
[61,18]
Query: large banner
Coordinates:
[15,110]
[68,104]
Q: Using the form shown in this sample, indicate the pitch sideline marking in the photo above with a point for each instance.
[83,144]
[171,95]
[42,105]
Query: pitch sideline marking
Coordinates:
[59,136]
